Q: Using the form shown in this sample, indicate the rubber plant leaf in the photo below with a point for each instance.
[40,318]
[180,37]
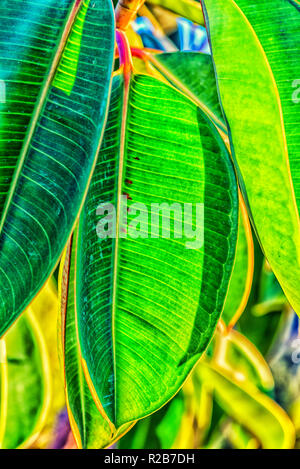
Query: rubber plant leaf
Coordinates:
[56,64]
[148,303]
[90,426]
[25,384]
[255,47]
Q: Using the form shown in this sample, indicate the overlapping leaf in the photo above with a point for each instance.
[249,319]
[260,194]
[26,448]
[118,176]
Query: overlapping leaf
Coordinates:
[255,48]
[56,63]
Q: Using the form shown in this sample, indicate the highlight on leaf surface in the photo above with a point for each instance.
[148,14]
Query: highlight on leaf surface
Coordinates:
[262,119]
[57,64]
[146,307]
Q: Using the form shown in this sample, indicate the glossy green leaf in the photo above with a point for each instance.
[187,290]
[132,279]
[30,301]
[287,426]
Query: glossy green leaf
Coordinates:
[193,74]
[255,47]
[238,355]
[91,430]
[147,306]
[230,435]
[159,430]
[251,408]
[25,385]
[56,63]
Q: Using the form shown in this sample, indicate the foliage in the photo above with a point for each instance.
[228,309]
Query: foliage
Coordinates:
[153,153]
